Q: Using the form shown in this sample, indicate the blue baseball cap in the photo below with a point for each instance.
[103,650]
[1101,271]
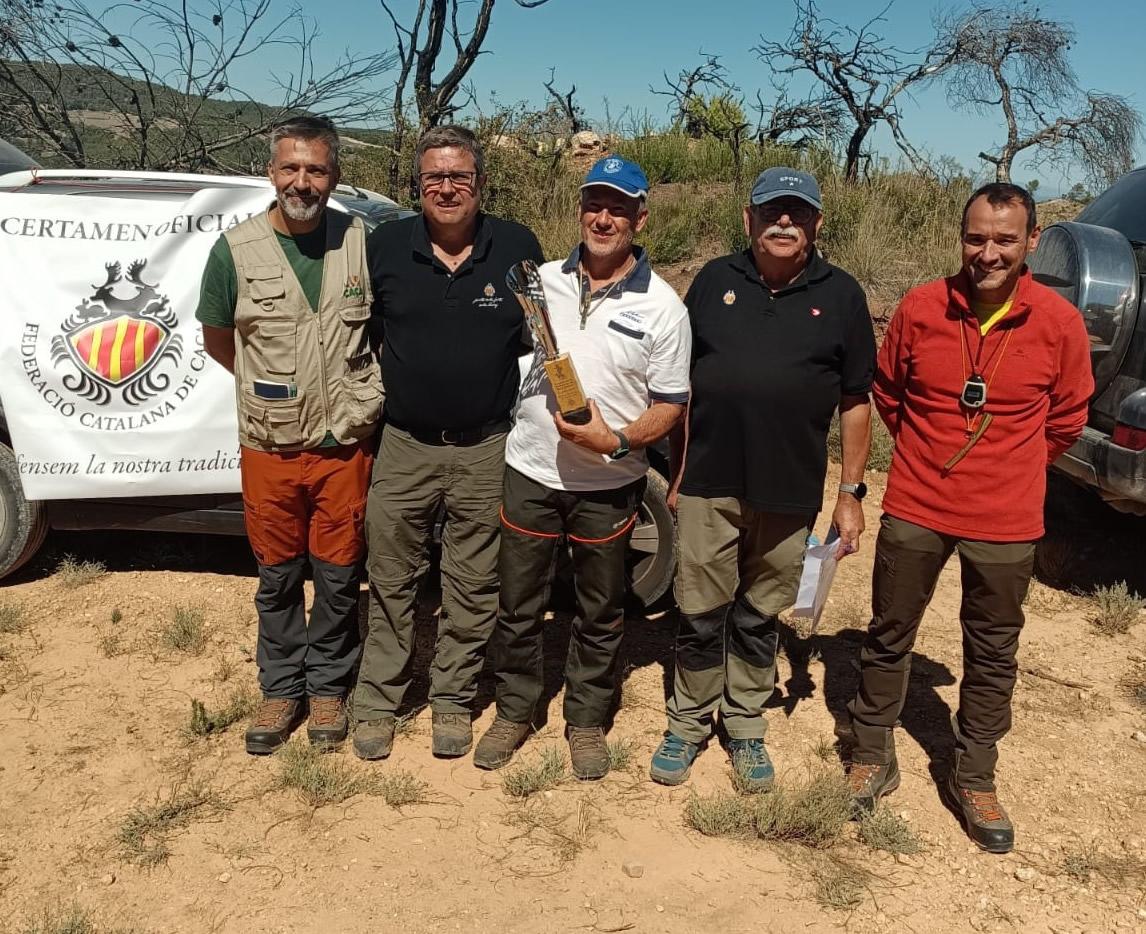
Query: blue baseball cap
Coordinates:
[620,174]
[783,182]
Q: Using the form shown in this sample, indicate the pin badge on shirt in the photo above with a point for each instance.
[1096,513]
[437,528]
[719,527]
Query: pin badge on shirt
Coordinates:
[729,297]
[816,312]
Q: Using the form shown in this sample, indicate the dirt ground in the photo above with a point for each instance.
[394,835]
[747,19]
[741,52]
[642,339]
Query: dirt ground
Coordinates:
[93,730]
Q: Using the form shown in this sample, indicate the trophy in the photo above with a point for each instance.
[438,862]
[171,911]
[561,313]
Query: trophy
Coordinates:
[524,281]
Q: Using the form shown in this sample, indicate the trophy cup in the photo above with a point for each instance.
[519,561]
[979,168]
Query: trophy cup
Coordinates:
[524,281]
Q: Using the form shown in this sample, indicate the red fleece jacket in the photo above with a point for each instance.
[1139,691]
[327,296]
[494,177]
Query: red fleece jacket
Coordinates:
[1038,396]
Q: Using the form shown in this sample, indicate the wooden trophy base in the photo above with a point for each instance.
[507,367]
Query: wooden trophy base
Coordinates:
[567,389]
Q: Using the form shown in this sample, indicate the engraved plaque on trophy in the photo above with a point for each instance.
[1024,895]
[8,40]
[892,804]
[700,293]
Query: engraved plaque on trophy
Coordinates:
[524,280]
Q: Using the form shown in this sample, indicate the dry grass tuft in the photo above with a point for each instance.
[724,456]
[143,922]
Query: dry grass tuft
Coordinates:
[240,705]
[71,573]
[722,815]
[321,779]
[824,749]
[13,618]
[400,789]
[1084,864]
[886,831]
[73,920]
[144,834]
[839,885]
[1116,609]
[812,813]
[621,752]
[185,631]
[564,833]
[1133,685]
[539,774]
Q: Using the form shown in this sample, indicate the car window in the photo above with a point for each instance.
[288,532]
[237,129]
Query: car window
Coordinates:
[1121,207]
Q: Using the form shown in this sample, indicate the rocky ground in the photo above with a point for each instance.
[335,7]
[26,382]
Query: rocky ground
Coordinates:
[115,815]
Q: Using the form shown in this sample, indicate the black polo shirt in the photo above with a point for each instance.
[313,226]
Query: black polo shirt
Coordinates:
[768,371]
[449,341]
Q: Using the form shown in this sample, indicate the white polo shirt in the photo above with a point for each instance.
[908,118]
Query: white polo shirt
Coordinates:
[636,348]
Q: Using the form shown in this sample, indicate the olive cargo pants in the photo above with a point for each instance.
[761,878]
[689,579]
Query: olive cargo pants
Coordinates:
[597,526]
[411,481]
[737,569]
[995,577]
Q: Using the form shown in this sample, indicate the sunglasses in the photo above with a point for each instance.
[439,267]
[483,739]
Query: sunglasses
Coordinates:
[798,213]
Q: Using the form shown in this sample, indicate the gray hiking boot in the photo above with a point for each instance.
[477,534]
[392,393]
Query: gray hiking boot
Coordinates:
[499,743]
[373,739]
[870,781]
[588,752]
[273,723]
[982,816]
[453,734]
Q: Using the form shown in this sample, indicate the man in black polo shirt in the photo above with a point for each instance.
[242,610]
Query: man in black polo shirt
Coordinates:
[450,333]
[781,340]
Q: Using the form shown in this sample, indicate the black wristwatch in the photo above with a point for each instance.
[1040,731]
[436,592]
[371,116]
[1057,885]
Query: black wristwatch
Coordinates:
[858,490]
[622,449]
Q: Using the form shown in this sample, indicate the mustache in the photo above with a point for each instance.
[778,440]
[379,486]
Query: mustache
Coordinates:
[777,231]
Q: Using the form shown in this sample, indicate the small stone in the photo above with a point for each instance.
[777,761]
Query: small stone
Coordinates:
[632,869]
[1138,736]
[660,907]
[345,868]
[1026,874]
[108,878]
[225,877]
[1142,914]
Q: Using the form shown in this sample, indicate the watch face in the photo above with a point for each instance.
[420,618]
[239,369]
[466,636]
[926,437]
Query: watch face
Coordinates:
[861,490]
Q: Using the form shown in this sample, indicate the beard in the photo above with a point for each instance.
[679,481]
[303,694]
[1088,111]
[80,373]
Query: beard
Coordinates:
[294,207]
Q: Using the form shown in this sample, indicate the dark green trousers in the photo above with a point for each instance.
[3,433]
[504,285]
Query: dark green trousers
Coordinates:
[597,526]
[995,577]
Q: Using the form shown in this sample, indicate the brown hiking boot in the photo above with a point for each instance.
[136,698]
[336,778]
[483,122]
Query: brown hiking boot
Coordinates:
[499,743]
[327,725]
[870,781]
[274,721]
[588,752]
[982,816]
[453,734]
[373,739]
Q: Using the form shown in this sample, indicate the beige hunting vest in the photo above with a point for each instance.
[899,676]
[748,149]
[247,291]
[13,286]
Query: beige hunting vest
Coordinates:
[315,373]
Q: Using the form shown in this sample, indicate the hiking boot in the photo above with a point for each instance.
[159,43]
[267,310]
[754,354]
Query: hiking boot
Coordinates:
[672,760]
[274,721]
[327,725]
[751,764]
[588,752]
[373,739]
[982,816]
[453,734]
[499,743]
[870,781]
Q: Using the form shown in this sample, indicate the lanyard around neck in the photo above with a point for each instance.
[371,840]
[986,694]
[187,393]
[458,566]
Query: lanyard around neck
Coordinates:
[588,306]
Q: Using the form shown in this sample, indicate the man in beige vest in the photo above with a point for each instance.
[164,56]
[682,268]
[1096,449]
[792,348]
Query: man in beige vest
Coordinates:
[284,305]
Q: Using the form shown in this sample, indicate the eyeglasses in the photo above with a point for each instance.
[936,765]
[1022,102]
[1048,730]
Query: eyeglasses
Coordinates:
[433,180]
[799,213]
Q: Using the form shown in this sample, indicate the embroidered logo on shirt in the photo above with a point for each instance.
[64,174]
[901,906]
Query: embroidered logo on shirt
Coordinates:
[489,297]
[353,288]
[729,297]
[816,312]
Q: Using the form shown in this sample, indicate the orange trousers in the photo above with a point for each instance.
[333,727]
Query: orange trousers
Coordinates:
[303,502]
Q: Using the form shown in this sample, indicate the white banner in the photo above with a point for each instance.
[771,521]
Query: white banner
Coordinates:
[105,385]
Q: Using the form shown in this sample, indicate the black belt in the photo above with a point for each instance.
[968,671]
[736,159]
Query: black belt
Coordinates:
[458,436]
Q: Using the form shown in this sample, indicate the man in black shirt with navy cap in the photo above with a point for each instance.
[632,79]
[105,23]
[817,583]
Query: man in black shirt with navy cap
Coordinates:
[781,341]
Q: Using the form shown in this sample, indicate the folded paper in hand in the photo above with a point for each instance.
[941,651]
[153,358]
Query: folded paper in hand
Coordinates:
[816,579]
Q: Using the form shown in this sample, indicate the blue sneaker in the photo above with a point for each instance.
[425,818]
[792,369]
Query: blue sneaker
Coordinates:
[752,769]
[672,760]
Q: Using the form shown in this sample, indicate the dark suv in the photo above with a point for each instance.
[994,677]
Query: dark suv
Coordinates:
[1098,262]
[24,524]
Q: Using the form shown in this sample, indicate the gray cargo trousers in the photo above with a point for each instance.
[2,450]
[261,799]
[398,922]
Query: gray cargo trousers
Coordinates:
[412,480]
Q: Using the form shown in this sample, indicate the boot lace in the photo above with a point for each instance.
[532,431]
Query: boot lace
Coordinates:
[861,775]
[503,730]
[584,739]
[272,710]
[673,747]
[985,803]
[325,711]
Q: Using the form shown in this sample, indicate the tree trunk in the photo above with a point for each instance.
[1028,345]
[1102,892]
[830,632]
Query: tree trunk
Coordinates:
[1003,166]
[854,151]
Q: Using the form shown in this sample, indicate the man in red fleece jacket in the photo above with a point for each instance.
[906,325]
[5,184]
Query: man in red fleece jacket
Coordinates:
[983,380]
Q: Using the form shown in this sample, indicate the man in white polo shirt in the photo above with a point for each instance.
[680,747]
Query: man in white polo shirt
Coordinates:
[628,336]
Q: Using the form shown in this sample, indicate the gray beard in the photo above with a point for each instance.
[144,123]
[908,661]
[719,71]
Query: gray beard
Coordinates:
[299,212]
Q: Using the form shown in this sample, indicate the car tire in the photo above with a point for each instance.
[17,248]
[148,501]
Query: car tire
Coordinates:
[652,548]
[23,524]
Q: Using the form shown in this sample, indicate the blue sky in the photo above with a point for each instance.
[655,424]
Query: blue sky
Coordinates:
[614,49]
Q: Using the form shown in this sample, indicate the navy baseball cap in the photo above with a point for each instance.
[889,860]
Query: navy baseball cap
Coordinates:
[620,174]
[782,182]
